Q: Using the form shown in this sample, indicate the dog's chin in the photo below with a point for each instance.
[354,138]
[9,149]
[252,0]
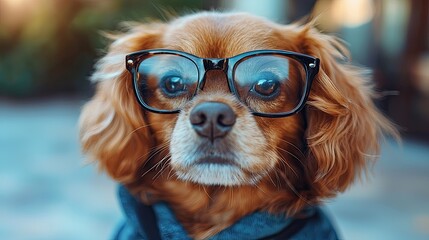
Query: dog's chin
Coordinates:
[217,172]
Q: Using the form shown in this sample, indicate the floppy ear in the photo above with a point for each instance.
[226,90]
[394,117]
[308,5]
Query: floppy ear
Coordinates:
[344,125]
[112,125]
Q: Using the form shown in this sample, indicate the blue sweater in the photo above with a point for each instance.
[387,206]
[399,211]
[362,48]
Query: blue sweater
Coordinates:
[158,222]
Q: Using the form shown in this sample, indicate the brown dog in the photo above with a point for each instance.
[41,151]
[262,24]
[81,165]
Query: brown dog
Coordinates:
[247,131]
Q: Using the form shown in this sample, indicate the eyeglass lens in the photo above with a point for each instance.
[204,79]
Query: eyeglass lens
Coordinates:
[269,83]
[167,81]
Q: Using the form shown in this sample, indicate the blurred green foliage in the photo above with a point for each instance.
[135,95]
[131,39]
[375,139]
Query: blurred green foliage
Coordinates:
[48,47]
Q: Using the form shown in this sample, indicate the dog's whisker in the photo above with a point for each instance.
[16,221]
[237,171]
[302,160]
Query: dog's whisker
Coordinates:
[166,130]
[293,145]
[291,187]
[278,180]
[145,162]
[289,184]
[223,189]
[155,153]
[160,164]
[150,169]
[285,163]
[160,149]
[135,130]
[170,174]
[150,153]
[164,164]
[289,153]
[259,188]
[208,195]
[272,181]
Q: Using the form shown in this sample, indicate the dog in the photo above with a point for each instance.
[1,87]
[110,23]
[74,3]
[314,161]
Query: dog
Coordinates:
[215,117]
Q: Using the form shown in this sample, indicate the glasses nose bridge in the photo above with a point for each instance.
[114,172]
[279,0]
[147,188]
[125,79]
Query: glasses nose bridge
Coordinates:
[215,64]
[220,64]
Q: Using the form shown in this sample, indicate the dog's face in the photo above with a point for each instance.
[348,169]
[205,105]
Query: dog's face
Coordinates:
[215,139]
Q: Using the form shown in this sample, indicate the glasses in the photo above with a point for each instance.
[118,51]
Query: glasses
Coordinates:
[271,83]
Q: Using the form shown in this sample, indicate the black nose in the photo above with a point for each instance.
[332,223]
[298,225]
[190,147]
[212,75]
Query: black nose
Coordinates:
[212,119]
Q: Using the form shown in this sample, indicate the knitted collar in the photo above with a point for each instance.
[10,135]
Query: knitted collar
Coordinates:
[253,226]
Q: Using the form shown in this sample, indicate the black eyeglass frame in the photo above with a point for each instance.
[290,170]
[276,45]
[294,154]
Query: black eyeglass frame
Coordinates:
[228,66]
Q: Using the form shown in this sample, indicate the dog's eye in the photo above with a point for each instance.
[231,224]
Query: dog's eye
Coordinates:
[173,85]
[266,86]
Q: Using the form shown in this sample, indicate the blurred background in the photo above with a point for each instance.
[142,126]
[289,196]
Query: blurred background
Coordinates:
[47,52]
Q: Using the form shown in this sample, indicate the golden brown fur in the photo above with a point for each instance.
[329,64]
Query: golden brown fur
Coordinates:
[314,161]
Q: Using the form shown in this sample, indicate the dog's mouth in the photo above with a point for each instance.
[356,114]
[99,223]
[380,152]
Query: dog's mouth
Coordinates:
[216,160]
[215,169]
[222,163]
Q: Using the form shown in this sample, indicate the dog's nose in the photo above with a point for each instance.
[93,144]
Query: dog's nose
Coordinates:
[212,119]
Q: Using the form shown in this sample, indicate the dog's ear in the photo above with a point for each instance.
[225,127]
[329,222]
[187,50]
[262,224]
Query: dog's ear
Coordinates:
[112,125]
[344,125]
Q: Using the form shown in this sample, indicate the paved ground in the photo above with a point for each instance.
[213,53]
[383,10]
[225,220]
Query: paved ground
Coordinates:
[48,192]
[394,202]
